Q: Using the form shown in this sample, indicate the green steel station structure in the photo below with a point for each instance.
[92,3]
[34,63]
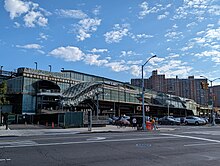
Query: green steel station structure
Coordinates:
[70,98]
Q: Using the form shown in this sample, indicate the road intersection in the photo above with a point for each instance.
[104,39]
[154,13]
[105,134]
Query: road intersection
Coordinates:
[186,145]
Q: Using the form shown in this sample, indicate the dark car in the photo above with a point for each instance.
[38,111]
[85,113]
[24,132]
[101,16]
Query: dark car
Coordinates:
[217,120]
[168,120]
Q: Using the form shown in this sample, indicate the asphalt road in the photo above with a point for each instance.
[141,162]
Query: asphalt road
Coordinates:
[187,145]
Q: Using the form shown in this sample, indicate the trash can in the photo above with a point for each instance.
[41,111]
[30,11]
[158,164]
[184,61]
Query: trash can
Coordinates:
[149,125]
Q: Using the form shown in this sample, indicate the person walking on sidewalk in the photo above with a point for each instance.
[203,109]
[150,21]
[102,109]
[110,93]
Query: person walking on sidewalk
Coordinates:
[154,126]
[134,123]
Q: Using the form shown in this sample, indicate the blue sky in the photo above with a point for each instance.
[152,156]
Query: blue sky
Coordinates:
[112,38]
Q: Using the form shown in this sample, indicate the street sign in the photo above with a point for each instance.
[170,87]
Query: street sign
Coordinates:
[147,109]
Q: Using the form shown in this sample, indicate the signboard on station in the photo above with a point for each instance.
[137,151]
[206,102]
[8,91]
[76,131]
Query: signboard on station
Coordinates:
[146,108]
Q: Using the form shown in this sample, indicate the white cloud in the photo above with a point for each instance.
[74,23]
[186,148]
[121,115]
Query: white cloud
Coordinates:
[40,51]
[186,48]
[117,66]
[197,9]
[32,18]
[85,27]
[213,34]
[169,49]
[200,33]
[134,62]
[17,25]
[16,7]
[33,14]
[208,39]
[95,50]
[96,10]
[175,26]
[160,17]
[199,40]
[140,38]
[156,60]
[69,53]
[212,53]
[117,34]
[92,59]
[173,55]
[30,46]
[42,36]
[77,14]
[214,10]
[146,10]
[128,53]
[174,68]
[171,35]
[135,70]
[191,25]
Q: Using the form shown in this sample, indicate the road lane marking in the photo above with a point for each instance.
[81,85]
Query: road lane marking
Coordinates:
[5,160]
[204,132]
[196,138]
[202,144]
[86,142]
[95,138]
[25,142]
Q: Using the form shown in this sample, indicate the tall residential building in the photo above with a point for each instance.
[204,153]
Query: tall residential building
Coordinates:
[187,88]
[216,96]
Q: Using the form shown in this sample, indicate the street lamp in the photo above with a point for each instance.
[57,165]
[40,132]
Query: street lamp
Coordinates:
[168,107]
[142,79]
[212,99]
[35,65]
[97,105]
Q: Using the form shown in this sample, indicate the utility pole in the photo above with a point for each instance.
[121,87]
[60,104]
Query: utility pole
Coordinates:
[142,78]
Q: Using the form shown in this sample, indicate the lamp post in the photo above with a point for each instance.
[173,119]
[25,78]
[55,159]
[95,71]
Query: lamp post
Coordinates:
[168,106]
[35,65]
[97,106]
[212,99]
[49,67]
[142,79]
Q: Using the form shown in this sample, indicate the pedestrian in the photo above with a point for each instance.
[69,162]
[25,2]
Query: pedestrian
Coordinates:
[154,126]
[6,121]
[134,123]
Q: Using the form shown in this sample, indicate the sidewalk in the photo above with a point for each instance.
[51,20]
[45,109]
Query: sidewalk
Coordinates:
[32,130]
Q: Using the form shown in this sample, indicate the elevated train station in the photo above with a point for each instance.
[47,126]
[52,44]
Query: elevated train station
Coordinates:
[46,94]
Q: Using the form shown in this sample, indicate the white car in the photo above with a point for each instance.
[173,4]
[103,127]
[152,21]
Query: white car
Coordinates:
[194,120]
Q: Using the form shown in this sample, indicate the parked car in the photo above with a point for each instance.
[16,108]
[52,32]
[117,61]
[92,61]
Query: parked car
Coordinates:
[168,120]
[206,119]
[217,120]
[194,120]
[112,120]
[122,122]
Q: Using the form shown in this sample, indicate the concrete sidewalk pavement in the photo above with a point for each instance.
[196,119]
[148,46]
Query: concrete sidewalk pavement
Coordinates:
[33,131]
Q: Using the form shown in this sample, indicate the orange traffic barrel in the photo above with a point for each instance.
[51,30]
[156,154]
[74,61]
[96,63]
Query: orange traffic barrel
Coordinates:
[148,125]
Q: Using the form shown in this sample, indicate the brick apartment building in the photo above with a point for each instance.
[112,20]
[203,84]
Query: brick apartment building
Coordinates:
[187,88]
[216,91]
